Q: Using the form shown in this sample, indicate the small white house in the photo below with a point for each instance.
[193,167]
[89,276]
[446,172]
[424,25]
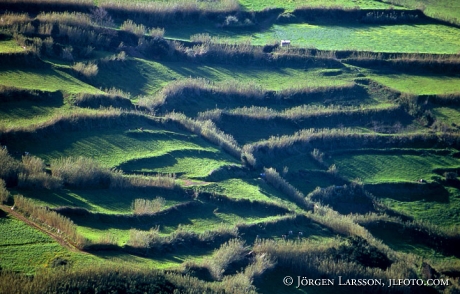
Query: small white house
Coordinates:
[285,43]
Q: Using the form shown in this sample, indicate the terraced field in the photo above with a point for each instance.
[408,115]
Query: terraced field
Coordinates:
[206,158]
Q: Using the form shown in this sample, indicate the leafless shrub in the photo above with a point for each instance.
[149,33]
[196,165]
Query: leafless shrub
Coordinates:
[142,239]
[101,17]
[156,32]
[34,175]
[8,19]
[67,18]
[81,172]
[130,26]
[145,206]
[88,70]
[48,43]
[67,53]
[229,252]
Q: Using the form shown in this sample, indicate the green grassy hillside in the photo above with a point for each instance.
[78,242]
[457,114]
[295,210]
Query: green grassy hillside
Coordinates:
[178,148]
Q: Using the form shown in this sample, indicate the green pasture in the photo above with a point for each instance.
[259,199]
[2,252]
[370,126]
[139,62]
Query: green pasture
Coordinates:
[114,146]
[200,218]
[10,46]
[441,213]
[403,242]
[449,116]
[26,249]
[442,9]
[297,163]
[374,168]
[147,77]
[416,38]
[213,181]
[427,38]
[254,189]
[15,232]
[28,113]
[45,79]
[30,258]
[185,163]
[418,84]
[107,201]
[290,5]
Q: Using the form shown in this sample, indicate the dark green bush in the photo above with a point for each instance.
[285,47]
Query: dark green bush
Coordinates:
[360,251]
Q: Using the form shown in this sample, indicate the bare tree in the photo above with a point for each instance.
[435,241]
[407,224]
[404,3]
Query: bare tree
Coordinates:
[101,17]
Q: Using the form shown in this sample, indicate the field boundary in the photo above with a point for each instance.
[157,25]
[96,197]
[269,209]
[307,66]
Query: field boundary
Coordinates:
[62,241]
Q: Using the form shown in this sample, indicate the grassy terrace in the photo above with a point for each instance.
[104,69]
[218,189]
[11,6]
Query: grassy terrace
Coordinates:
[291,5]
[154,163]
[360,37]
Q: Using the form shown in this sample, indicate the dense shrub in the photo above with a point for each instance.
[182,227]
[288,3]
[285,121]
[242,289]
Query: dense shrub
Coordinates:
[116,278]
[150,242]
[103,100]
[451,176]
[345,199]
[119,181]
[4,193]
[81,172]
[229,252]
[9,167]
[34,175]
[360,251]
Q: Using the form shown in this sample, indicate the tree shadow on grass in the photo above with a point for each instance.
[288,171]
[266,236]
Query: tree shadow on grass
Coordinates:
[407,192]
[126,76]
[186,215]
[414,241]
[54,198]
[150,164]
[29,108]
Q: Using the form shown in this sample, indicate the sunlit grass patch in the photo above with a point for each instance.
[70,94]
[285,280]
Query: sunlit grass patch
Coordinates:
[15,232]
[114,146]
[26,113]
[148,77]
[10,46]
[418,84]
[44,79]
[292,4]
[450,116]
[187,163]
[108,201]
[374,168]
[444,214]
[25,249]
[429,38]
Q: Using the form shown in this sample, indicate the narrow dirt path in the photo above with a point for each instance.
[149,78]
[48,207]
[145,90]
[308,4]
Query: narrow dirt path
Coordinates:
[60,239]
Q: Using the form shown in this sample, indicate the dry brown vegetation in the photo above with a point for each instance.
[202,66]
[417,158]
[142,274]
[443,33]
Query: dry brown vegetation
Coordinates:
[145,206]
[34,176]
[52,219]
[229,252]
